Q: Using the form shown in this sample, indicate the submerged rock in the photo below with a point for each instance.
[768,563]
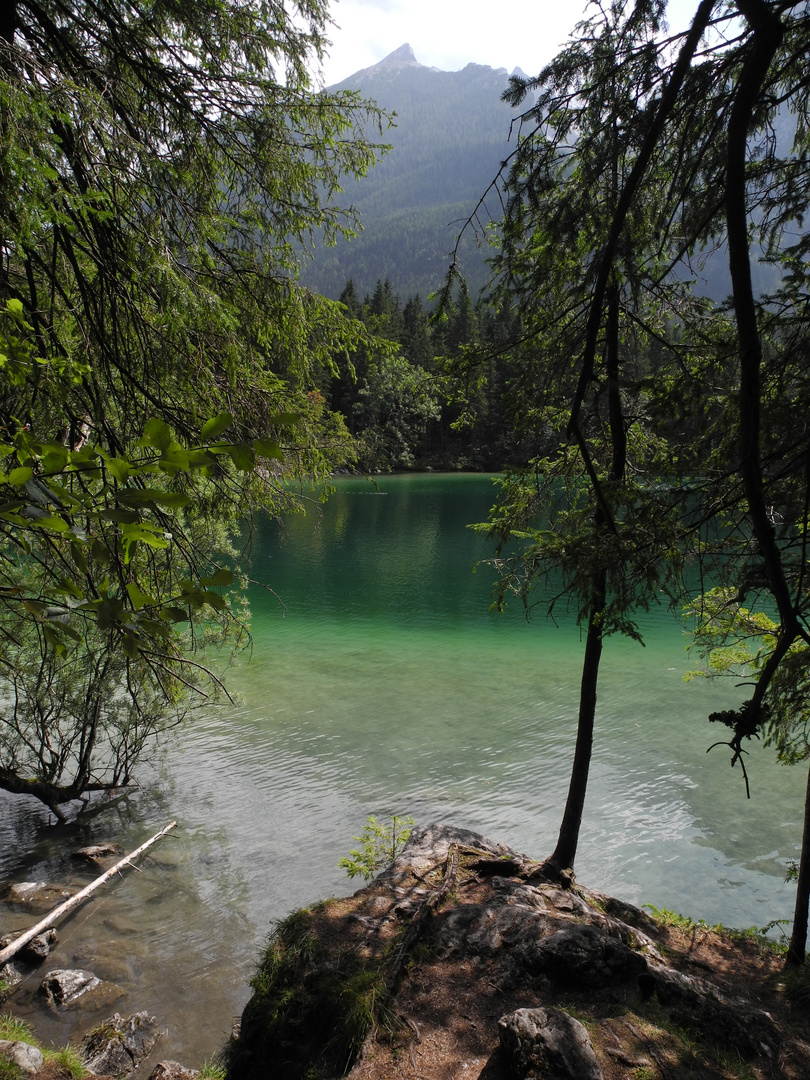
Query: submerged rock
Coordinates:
[97,854]
[37,897]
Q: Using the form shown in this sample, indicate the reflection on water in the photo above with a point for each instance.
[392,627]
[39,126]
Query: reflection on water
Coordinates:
[385,685]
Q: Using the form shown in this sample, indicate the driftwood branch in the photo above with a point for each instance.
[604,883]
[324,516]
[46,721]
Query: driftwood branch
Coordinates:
[59,913]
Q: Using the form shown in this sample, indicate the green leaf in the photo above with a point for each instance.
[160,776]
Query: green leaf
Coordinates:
[78,558]
[99,553]
[52,522]
[268,448]
[214,600]
[285,419]
[200,459]
[156,433]
[214,427]
[176,457]
[140,599]
[119,468]
[18,477]
[221,577]
[69,588]
[146,533]
[54,460]
[121,517]
[130,643]
[242,455]
[174,614]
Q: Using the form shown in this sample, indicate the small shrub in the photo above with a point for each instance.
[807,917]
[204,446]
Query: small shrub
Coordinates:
[379,845]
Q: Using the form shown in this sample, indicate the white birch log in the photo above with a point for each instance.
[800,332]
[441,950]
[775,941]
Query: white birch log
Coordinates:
[59,913]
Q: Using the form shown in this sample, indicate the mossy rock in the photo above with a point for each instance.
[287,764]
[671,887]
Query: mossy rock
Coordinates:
[314,1002]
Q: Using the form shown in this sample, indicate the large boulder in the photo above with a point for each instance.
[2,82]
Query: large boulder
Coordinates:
[719,1017]
[547,1044]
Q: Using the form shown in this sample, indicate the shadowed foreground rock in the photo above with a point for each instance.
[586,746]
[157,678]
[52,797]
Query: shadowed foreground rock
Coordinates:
[547,1042]
[464,959]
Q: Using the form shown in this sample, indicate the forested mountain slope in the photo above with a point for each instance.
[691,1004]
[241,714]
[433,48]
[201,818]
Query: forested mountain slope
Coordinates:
[452,132]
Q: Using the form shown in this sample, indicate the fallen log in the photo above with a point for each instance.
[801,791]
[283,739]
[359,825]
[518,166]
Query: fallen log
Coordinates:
[59,913]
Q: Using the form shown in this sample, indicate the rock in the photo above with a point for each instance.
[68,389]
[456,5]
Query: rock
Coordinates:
[22,1054]
[10,977]
[120,1044]
[66,988]
[39,947]
[95,853]
[587,957]
[113,959]
[38,897]
[172,1070]
[548,1044]
[701,1007]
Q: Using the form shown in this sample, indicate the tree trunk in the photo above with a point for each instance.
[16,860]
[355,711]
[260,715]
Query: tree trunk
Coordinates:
[565,852]
[798,938]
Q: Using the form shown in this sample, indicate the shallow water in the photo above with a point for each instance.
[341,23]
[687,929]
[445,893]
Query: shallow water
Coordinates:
[384,685]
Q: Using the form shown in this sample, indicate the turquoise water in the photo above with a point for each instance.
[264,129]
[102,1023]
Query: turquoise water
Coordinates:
[383,684]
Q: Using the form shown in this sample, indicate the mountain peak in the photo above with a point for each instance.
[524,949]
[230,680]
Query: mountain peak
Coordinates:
[403,55]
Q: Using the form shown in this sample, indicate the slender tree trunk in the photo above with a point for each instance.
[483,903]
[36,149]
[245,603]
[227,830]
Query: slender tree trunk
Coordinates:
[766,39]
[564,853]
[798,938]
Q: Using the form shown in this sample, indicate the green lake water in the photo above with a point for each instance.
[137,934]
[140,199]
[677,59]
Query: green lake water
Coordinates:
[382,685]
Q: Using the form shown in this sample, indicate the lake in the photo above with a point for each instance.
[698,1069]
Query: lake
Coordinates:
[384,684]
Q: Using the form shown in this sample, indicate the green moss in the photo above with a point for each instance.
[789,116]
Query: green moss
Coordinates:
[310,1012]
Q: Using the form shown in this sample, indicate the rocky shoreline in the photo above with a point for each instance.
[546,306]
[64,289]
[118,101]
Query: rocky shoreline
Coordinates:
[463,958]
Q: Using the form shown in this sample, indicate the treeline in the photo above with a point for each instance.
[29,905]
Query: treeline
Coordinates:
[433,392]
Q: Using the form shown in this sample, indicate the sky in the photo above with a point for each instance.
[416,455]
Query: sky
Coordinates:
[449,34]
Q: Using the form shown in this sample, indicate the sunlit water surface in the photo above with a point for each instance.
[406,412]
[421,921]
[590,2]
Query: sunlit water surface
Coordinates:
[385,685]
